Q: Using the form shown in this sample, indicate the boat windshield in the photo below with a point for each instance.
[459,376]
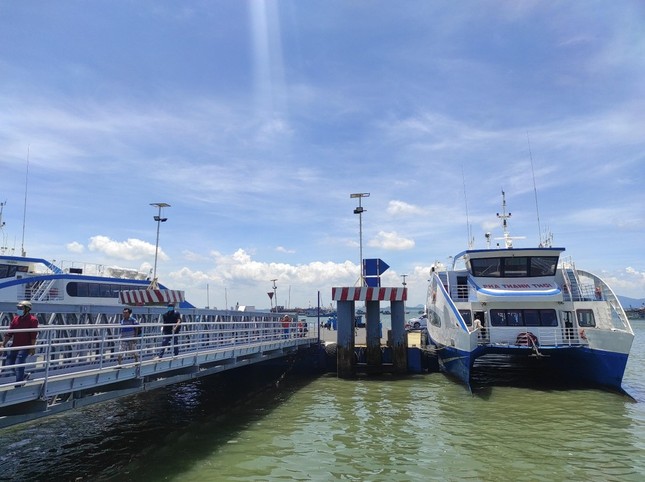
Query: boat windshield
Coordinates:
[514,267]
[10,270]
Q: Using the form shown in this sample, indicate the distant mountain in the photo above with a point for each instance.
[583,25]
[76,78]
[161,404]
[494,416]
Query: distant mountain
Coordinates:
[628,303]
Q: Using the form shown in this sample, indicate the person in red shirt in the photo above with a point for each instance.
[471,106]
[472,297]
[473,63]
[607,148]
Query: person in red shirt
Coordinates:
[27,339]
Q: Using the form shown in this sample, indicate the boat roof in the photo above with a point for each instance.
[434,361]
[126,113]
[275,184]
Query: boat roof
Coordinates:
[26,260]
[507,253]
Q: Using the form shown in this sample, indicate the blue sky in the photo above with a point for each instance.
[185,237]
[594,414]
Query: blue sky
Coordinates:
[256,120]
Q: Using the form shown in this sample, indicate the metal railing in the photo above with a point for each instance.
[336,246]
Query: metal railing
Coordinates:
[73,348]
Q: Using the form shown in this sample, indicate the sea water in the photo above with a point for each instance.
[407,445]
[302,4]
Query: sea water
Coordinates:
[419,427]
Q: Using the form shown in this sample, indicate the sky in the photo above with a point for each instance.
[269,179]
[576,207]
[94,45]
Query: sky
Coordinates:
[256,120]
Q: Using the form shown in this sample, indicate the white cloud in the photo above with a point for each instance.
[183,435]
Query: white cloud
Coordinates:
[395,208]
[391,240]
[75,247]
[282,249]
[131,249]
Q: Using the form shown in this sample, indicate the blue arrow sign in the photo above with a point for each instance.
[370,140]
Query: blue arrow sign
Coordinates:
[374,267]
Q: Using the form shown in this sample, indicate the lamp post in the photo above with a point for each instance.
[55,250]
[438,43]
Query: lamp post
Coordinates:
[159,220]
[359,210]
[275,293]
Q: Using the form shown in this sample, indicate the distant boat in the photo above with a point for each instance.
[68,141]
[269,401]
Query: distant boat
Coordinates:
[531,307]
[314,312]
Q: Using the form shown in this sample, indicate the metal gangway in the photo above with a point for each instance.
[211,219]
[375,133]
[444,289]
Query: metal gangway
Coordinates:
[77,351]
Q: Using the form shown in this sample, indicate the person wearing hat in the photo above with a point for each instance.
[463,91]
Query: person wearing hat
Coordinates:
[23,342]
[171,327]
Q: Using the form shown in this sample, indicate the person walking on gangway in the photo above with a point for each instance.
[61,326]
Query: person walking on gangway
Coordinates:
[129,332]
[23,342]
[171,327]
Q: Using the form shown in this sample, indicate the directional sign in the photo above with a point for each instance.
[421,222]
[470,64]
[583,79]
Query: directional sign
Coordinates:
[373,281]
[374,267]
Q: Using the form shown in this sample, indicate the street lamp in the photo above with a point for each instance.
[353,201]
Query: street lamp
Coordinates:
[275,293]
[404,276]
[159,220]
[359,210]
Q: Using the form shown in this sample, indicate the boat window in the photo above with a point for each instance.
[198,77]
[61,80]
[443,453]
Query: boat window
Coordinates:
[548,318]
[498,318]
[531,318]
[96,290]
[433,318]
[82,289]
[516,267]
[105,291]
[10,270]
[485,267]
[514,318]
[465,314]
[585,318]
[528,317]
[543,265]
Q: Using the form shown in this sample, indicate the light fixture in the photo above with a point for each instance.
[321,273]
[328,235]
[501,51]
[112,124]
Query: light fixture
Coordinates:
[359,210]
[159,220]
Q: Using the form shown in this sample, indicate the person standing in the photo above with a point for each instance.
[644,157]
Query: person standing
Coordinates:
[24,342]
[129,330]
[286,325]
[171,327]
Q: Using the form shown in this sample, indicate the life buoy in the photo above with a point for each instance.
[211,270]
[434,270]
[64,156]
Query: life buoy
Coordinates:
[527,339]
[583,335]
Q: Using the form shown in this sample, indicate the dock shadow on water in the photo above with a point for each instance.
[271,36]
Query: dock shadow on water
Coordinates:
[117,439]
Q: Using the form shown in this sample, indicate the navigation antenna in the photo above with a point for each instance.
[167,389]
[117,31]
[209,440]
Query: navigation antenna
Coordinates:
[508,241]
[3,247]
[537,210]
[24,212]
[469,231]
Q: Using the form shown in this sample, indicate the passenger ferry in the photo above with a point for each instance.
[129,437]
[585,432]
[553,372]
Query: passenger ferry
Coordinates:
[529,307]
[41,281]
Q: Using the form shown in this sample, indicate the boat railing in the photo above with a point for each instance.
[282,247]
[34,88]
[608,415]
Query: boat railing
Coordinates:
[43,290]
[66,348]
[602,292]
[547,336]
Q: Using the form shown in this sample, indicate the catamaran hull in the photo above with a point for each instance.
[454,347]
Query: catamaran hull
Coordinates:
[572,365]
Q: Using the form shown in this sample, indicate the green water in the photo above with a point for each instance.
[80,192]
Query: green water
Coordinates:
[421,427]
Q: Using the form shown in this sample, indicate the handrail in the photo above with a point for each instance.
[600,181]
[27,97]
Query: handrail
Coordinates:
[62,349]
[607,294]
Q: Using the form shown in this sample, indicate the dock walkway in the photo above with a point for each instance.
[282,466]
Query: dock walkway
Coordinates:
[76,359]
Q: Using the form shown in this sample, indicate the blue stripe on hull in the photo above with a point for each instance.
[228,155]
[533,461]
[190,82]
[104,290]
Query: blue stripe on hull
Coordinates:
[591,366]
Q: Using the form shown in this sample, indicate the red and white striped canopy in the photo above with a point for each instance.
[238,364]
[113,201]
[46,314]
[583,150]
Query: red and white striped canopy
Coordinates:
[151,297]
[366,293]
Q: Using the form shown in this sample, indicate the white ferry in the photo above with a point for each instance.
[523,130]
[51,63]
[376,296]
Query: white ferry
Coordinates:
[528,306]
[41,281]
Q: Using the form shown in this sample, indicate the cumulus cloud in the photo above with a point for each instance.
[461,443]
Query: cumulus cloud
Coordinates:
[402,208]
[391,240]
[282,249]
[75,247]
[638,274]
[131,249]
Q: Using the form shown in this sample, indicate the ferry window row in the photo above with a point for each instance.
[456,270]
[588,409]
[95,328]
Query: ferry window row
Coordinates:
[96,290]
[10,270]
[523,318]
[519,267]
